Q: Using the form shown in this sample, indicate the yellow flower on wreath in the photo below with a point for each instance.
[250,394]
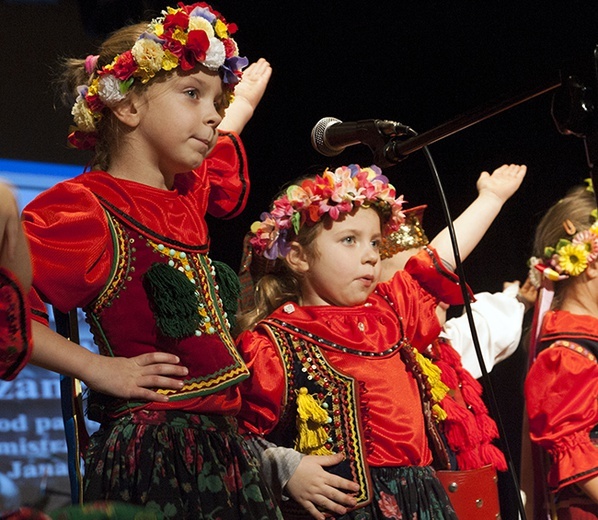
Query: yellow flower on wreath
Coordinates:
[573,258]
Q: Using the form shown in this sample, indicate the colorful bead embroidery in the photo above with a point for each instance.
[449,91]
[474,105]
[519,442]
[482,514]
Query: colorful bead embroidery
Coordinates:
[182,261]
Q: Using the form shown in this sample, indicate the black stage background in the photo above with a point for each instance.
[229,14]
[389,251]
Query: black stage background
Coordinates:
[420,62]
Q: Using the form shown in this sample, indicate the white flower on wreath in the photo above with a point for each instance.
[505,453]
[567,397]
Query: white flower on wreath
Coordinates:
[109,90]
[215,55]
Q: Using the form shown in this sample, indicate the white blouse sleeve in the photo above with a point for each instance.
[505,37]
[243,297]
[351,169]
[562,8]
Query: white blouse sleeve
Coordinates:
[498,319]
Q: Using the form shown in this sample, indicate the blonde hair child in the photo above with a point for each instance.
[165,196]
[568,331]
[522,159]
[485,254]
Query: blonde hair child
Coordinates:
[128,242]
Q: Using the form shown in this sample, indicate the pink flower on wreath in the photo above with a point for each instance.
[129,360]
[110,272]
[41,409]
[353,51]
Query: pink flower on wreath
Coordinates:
[389,507]
[590,241]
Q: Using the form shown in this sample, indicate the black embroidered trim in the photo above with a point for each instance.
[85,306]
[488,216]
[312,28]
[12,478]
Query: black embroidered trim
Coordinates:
[40,314]
[336,346]
[242,168]
[579,476]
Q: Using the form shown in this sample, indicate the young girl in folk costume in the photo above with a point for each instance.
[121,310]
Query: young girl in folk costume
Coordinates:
[15,281]
[397,248]
[561,388]
[336,372]
[128,242]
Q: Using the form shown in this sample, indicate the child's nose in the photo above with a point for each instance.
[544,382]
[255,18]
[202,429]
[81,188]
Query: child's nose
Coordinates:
[371,255]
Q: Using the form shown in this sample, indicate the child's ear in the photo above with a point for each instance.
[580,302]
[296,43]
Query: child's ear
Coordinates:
[297,258]
[592,270]
[127,111]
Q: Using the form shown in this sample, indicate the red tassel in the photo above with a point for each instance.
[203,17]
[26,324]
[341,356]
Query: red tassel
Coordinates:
[460,428]
[490,454]
[469,460]
[449,375]
[473,399]
[487,427]
[449,354]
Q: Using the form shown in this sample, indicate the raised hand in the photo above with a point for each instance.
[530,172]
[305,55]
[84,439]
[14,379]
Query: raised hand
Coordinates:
[248,94]
[253,85]
[503,182]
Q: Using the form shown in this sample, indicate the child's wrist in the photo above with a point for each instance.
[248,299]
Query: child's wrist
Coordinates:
[491,197]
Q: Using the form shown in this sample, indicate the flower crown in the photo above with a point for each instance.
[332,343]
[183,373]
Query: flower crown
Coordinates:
[184,36]
[333,193]
[568,257]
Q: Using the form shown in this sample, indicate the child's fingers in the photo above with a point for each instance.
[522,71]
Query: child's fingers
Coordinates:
[338,497]
[335,504]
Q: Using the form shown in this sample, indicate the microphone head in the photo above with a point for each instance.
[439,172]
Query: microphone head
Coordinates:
[318,137]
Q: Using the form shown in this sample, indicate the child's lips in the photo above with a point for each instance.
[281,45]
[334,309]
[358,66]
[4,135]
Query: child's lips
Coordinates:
[367,280]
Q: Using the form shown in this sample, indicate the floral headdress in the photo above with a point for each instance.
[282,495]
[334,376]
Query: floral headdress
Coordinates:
[183,37]
[569,257]
[333,193]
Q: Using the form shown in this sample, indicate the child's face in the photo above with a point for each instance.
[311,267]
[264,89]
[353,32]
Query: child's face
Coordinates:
[345,268]
[179,117]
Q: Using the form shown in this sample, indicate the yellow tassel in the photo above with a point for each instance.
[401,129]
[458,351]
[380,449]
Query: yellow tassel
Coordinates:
[437,387]
[311,418]
[439,412]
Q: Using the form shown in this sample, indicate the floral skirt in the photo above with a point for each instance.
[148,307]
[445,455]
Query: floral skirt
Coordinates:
[405,493]
[179,464]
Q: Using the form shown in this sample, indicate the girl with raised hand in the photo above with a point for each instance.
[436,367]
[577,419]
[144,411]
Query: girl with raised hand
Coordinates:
[337,380]
[128,242]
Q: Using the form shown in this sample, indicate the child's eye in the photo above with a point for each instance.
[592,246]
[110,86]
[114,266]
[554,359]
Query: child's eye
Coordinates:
[348,240]
[192,93]
[375,244]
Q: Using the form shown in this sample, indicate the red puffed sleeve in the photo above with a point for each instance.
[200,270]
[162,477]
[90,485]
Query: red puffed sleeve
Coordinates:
[561,392]
[228,177]
[416,292]
[263,393]
[431,273]
[70,245]
[415,306]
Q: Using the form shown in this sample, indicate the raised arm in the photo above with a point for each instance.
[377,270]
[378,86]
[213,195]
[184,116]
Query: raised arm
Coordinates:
[248,94]
[472,224]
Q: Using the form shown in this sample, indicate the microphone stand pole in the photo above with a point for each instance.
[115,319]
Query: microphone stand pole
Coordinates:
[396,151]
